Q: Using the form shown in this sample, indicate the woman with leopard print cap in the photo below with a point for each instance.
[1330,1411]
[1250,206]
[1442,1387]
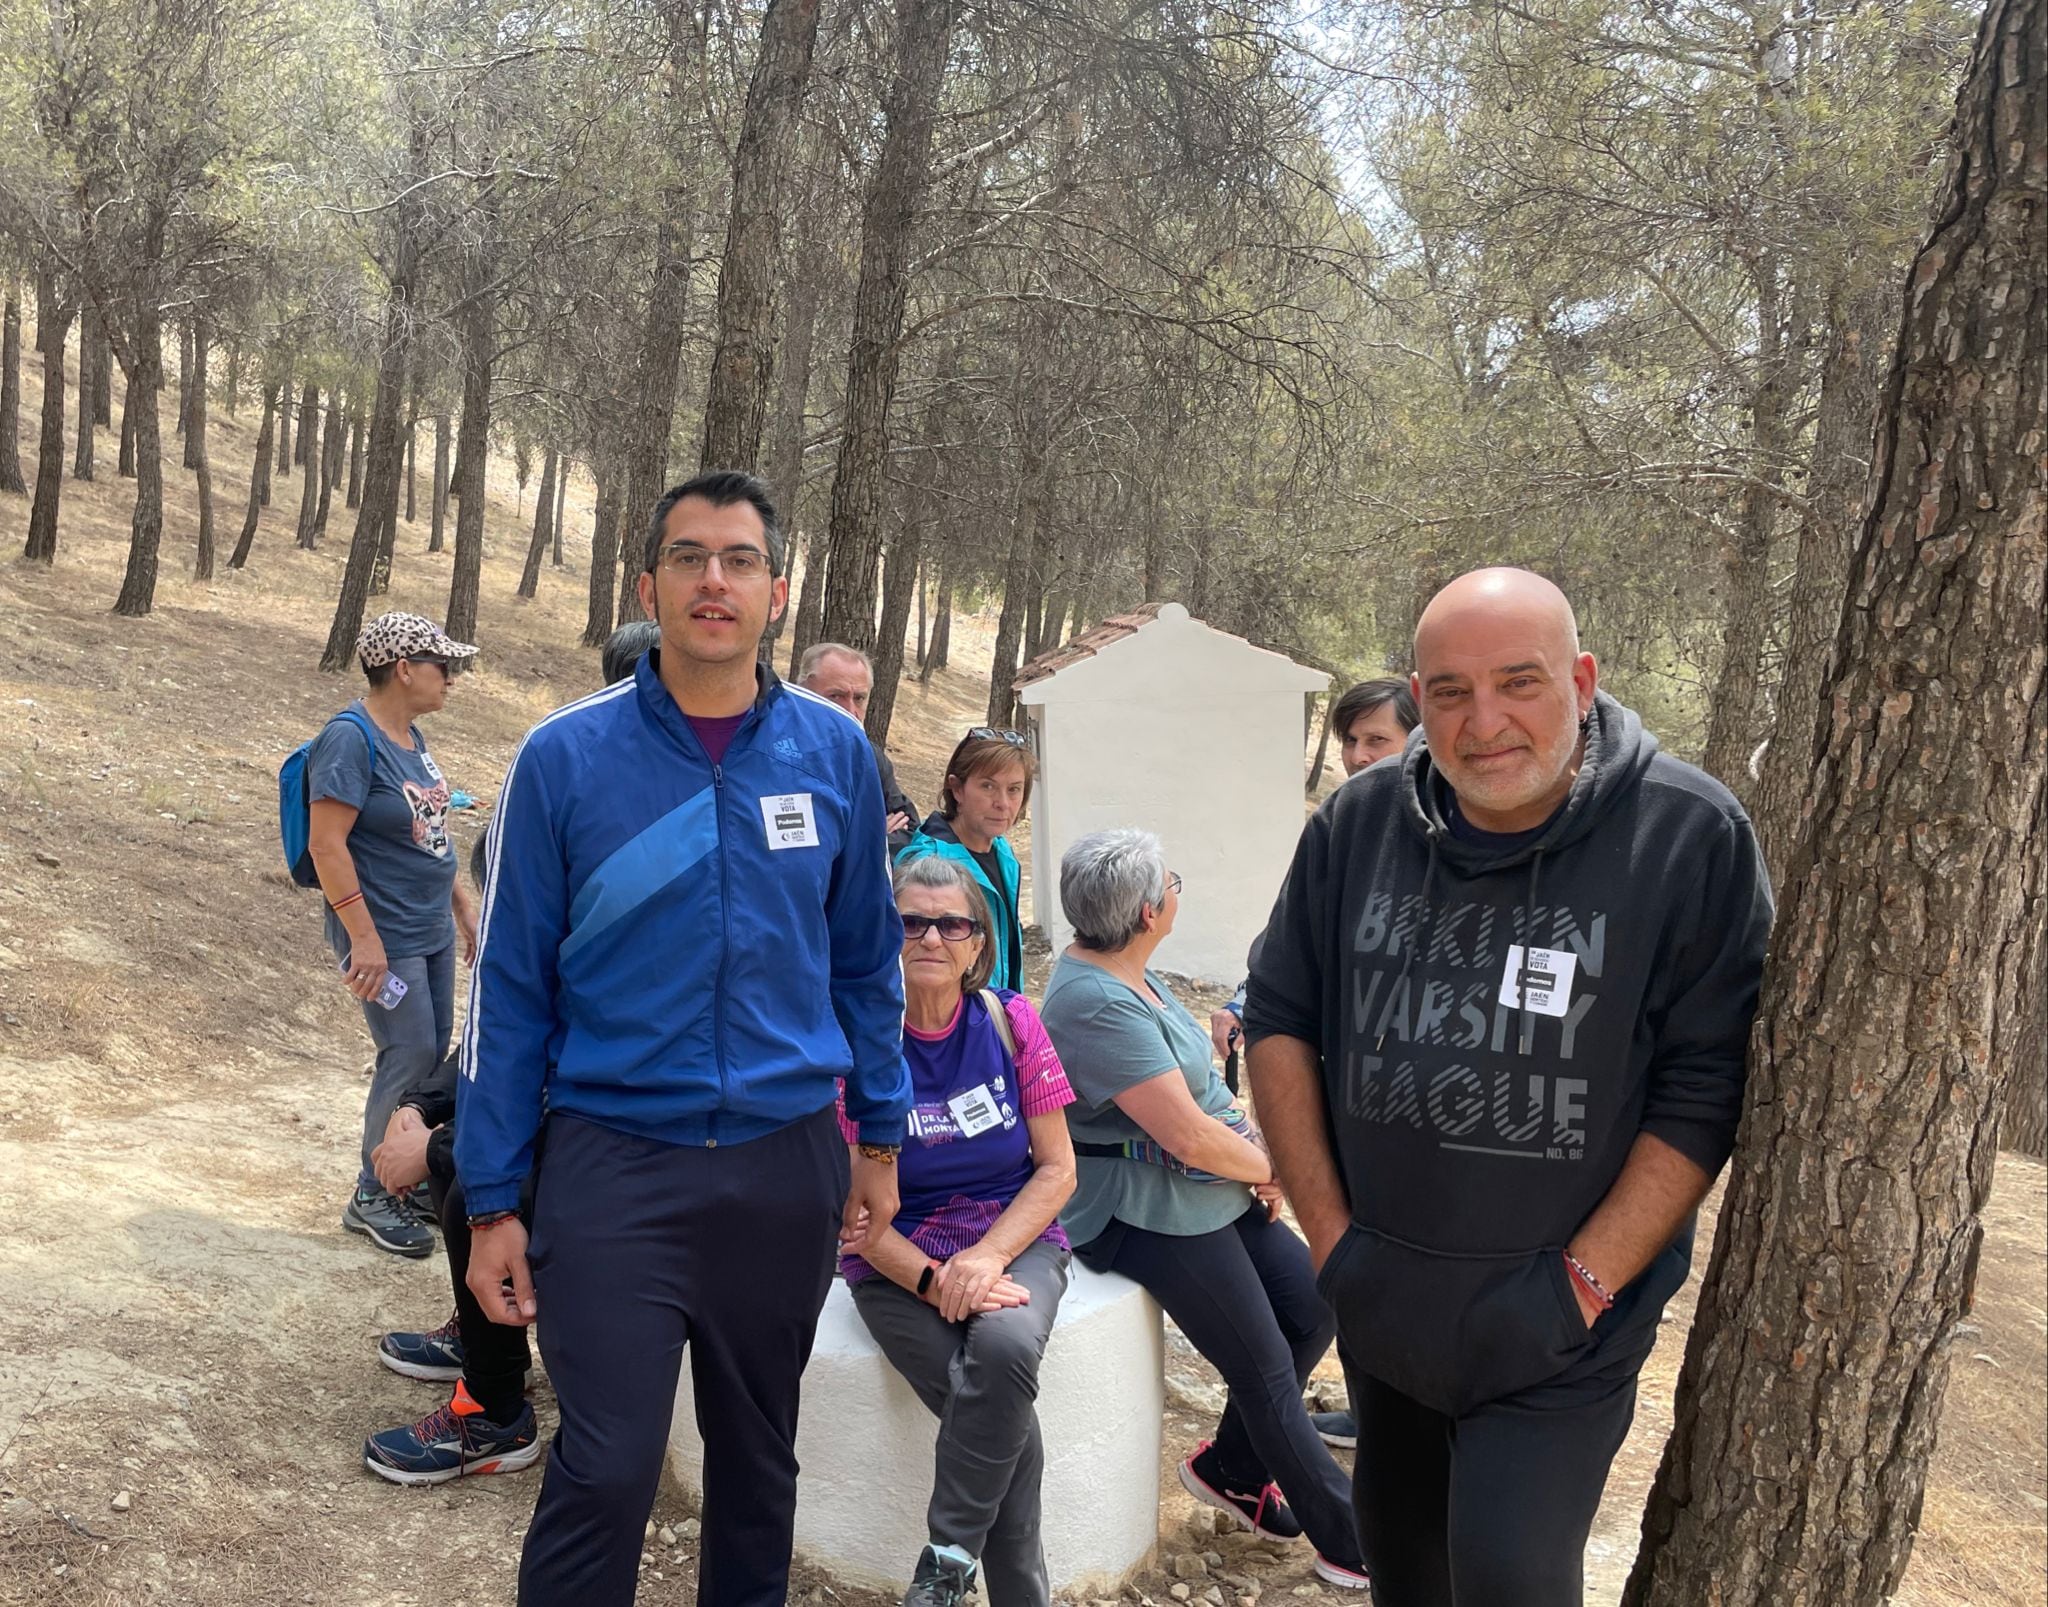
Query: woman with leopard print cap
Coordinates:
[395,905]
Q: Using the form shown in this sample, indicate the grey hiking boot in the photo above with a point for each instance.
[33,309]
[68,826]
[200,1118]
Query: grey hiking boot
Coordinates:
[387,1223]
[939,1581]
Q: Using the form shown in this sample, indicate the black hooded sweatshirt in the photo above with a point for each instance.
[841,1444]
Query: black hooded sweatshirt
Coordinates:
[1478,1123]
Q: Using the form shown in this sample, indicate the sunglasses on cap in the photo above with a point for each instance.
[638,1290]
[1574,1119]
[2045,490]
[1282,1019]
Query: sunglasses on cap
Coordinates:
[989,733]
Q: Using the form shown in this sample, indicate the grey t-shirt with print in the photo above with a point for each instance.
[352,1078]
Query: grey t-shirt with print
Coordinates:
[399,843]
[1111,1038]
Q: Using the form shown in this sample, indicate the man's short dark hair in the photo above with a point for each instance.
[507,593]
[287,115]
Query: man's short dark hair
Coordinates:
[1369,695]
[623,649]
[721,488]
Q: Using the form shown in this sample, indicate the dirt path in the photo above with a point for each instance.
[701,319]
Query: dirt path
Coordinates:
[181,1317]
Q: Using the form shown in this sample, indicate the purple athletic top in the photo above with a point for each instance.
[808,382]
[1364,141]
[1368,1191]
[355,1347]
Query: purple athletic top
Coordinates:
[968,1154]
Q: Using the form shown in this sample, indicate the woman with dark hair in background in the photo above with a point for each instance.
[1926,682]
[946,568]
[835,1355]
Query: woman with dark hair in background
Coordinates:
[987,785]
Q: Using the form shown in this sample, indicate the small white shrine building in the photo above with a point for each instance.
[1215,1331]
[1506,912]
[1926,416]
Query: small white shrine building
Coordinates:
[1153,719]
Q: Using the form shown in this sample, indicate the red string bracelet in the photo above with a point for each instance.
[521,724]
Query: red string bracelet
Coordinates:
[342,904]
[1585,1279]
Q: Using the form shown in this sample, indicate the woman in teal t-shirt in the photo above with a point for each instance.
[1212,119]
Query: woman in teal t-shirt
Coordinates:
[1176,1192]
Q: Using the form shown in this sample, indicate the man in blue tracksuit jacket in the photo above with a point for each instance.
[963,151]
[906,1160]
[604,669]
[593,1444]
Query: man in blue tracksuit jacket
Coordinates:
[688,938]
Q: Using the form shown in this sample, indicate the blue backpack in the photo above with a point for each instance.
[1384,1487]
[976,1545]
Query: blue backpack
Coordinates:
[295,807]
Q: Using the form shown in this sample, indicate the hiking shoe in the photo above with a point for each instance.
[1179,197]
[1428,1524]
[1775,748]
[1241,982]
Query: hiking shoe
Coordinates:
[419,1205]
[939,1581]
[386,1223]
[1260,1510]
[435,1355]
[1339,1429]
[452,1443]
[1344,1575]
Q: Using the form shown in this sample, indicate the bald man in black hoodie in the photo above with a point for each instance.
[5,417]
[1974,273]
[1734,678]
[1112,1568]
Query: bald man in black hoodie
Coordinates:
[1498,1023]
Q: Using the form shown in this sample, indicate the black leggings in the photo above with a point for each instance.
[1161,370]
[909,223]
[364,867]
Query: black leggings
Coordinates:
[495,1357]
[1491,1509]
[1246,1298]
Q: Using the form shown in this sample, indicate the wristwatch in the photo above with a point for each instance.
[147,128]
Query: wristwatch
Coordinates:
[885,1153]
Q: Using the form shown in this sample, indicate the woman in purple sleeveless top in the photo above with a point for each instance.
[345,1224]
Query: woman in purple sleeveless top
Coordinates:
[962,1289]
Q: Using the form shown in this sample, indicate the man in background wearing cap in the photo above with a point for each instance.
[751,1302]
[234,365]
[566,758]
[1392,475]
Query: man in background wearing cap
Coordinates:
[689,940]
[395,906]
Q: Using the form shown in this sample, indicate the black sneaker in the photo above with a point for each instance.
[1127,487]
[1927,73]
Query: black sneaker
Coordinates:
[386,1223]
[1344,1575]
[939,1581]
[1339,1429]
[1260,1510]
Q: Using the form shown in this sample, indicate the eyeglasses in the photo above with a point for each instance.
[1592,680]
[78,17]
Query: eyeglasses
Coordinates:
[1173,882]
[440,664]
[989,733]
[689,560]
[953,928]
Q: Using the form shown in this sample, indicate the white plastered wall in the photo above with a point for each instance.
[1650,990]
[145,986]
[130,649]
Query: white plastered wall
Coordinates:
[1195,735]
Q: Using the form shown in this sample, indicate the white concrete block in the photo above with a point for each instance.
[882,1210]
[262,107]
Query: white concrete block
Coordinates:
[864,1443]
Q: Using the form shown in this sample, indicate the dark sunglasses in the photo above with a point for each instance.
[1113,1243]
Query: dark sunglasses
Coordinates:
[989,733]
[953,928]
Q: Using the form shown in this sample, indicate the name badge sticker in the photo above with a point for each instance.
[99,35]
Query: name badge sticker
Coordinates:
[790,821]
[975,1111]
[1542,977]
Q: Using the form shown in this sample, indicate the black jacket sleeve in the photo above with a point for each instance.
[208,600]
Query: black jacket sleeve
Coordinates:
[895,802]
[1284,996]
[1701,1020]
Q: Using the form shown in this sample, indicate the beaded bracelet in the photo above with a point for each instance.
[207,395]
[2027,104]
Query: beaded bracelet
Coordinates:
[1593,1286]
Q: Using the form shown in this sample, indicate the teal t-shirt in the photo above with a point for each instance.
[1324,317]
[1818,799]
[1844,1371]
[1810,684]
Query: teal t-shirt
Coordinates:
[1110,1038]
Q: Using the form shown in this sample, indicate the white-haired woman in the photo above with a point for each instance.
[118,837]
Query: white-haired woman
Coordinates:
[1176,1192]
[961,1289]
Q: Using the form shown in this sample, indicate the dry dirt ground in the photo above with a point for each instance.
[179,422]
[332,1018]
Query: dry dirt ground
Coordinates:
[181,1317]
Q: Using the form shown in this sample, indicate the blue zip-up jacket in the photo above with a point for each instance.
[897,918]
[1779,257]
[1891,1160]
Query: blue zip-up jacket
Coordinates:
[935,837]
[682,951]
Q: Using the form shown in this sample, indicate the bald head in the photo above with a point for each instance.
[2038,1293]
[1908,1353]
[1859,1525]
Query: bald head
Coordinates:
[1503,686]
[1516,599]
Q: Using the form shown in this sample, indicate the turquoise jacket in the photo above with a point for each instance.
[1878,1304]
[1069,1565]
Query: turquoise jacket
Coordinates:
[935,836]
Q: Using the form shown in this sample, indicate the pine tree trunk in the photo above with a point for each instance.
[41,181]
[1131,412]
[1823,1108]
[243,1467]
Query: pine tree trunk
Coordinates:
[146,528]
[472,447]
[439,511]
[195,396]
[10,393]
[784,468]
[196,446]
[561,507]
[184,380]
[924,32]
[53,323]
[543,527]
[660,358]
[309,424]
[88,372]
[1035,474]
[232,391]
[736,400]
[309,489]
[942,628]
[284,426]
[354,498]
[921,638]
[103,382]
[899,579]
[126,468]
[1850,377]
[1906,967]
[810,602]
[604,556]
[370,548]
[331,451]
[259,476]
[412,442]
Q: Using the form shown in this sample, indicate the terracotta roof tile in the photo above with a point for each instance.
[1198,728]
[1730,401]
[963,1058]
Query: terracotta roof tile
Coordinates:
[1087,644]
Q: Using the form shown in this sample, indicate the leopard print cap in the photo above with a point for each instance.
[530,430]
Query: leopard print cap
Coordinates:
[391,637]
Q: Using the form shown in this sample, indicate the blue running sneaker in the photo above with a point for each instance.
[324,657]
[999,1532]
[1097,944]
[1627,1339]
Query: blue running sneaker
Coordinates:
[454,1443]
[435,1355]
